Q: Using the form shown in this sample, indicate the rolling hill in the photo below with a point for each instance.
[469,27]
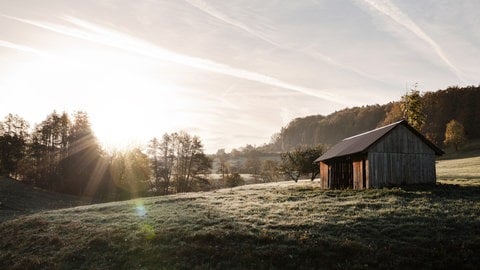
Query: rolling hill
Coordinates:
[17,199]
[277,225]
[439,108]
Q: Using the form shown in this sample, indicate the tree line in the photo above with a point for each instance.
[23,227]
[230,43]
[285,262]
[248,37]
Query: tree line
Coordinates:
[264,167]
[304,139]
[461,104]
[58,154]
[62,154]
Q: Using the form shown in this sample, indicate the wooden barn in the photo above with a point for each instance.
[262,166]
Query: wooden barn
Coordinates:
[392,155]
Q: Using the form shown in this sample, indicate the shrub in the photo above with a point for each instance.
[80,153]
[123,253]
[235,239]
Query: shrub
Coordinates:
[234,180]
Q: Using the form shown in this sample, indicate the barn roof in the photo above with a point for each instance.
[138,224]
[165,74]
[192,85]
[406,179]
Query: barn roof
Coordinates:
[361,142]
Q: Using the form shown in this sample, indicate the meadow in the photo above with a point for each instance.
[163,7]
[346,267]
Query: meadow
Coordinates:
[461,169]
[283,225]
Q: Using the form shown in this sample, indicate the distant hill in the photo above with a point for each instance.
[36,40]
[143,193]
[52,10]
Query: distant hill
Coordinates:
[462,104]
[17,198]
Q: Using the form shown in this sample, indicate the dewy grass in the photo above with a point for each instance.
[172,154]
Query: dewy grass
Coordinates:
[460,169]
[284,225]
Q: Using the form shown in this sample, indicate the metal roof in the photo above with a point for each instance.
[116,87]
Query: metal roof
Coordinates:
[361,142]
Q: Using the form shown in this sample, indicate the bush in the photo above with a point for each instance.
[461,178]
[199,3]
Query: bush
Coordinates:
[234,180]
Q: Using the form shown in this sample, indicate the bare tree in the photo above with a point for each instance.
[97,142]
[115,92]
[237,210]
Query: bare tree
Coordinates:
[177,159]
[223,164]
[270,171]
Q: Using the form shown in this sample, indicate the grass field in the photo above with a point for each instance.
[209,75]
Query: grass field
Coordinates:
[459,169]
[279,225]
[18,199]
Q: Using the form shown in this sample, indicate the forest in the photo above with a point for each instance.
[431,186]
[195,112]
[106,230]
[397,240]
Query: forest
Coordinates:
[62,154]
[439,108]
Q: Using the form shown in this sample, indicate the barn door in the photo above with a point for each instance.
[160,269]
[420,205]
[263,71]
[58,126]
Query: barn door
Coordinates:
[342,174]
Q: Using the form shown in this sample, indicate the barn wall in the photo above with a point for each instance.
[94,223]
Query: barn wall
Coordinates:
[323,175]
[401,158]
[392,169]
[367,174]
[401,140]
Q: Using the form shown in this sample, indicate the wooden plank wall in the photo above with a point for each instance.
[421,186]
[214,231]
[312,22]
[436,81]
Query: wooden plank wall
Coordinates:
[323,175]
[358,174]
[367,174]
[400,158]
[389,169]
[401,140]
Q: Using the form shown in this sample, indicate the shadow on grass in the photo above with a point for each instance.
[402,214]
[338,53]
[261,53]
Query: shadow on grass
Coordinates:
[406,238]
[386,242]
[440,192]
[413,227]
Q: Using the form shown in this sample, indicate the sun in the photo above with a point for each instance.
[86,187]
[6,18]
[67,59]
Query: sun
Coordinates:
[126,97]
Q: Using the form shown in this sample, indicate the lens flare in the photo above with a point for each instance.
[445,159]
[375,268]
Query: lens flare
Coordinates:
[145,229]
[148,231]
[140,209]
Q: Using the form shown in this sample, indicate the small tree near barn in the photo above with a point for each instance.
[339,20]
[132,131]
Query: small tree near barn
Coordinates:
[300,162]
[412,107]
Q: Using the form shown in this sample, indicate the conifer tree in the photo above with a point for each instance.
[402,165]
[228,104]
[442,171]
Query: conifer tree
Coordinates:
[412,107]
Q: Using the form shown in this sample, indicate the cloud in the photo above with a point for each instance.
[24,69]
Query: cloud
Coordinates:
[97,34]
[203,6]
[316,54]
[208,9]
[19,47]
[394,13]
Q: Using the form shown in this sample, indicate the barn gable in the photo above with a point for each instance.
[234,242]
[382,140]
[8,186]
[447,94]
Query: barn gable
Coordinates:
[392,155]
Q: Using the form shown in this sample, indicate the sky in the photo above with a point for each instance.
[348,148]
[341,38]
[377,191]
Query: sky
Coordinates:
[232,72]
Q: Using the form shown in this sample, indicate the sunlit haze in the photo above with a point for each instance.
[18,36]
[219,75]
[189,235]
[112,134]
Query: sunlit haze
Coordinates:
[231,72]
